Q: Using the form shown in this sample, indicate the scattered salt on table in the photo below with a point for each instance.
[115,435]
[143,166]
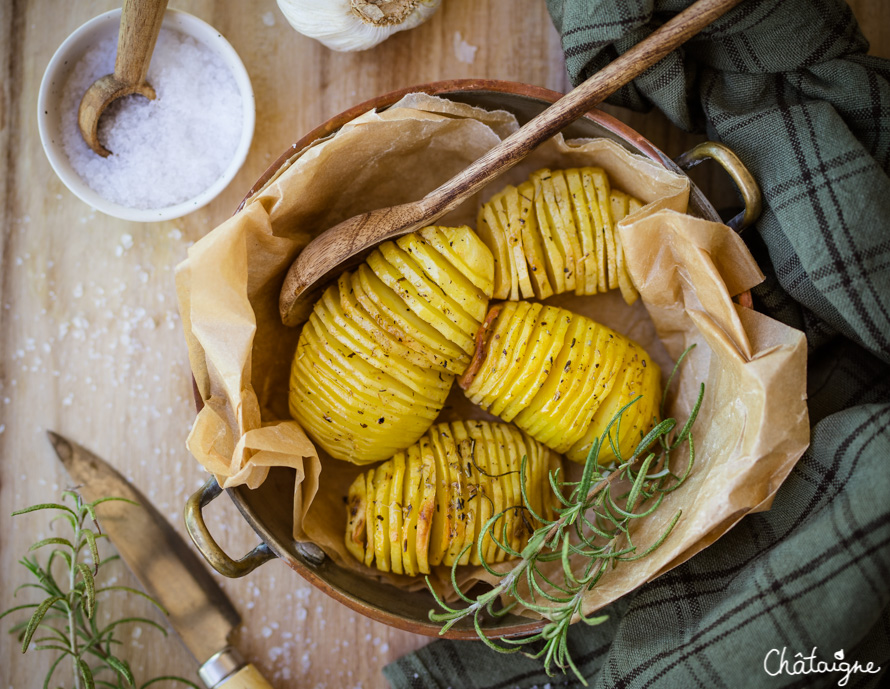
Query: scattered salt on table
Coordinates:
[167,150]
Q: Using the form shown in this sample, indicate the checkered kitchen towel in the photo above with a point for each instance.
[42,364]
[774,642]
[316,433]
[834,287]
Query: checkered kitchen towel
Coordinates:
[788,86]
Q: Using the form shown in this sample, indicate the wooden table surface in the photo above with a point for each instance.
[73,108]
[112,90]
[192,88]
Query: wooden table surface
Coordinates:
[90,337]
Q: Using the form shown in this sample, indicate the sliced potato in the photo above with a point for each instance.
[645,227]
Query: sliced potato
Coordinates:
[549,215]
[583,357]
[386,323]
[455,508]
[588,183]
[584,223]
[443,520]
[539,342]
[422,381]
[493,214]
[488,230]
[620,209]
[601,182]
[428,306]
[565,222]
[524,446]
[363,376]
[394,346]
[514,349]
[467,477]
[498,490]
[397,488]
[563,204]
[548,404]
[428,502]
[411,505]
[427,505]
[638,376]
[383,482]
[442,301]
[356,505]
[464,249]
[546,496]
[509,214]
[566,388]
[499,331]
[354,381]
[522,526]
[528,382]
[347,421]
[370,511]
[414,328]
[446,275]
[553,254]
[506,343]
[484,488]
[510,477]
[315,410]
[532,243]
[608,356]
[601,420]
[645,383]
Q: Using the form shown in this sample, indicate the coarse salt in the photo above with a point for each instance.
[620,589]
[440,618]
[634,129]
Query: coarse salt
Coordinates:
[167,150]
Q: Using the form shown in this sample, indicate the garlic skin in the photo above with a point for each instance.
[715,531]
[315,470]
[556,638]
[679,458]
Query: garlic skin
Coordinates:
[349,25]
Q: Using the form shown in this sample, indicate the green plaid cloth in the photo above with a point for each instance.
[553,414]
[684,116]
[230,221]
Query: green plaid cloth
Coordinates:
[789,87]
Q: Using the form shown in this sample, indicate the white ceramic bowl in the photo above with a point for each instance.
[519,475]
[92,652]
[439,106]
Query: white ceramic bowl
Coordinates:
[50,124]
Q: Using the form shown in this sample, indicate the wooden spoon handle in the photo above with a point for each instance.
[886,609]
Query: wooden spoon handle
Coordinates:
[574,104]
[140,25]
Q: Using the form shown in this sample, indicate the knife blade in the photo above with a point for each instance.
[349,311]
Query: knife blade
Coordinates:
[199,612]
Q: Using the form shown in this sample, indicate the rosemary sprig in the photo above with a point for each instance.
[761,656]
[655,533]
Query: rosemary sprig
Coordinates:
[66,621]
[590,534]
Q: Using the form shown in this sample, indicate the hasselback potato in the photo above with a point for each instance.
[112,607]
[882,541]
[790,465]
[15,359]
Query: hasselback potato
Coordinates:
[377,357]
[425,505]
[557,233]
[562,377]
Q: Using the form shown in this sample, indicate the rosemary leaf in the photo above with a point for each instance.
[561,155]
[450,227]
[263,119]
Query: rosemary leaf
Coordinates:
[66,615]
[36,618]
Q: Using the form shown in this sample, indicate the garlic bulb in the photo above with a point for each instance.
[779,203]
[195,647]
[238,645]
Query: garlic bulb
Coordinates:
[355,24]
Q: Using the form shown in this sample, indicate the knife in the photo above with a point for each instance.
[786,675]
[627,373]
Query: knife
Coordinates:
[198,611]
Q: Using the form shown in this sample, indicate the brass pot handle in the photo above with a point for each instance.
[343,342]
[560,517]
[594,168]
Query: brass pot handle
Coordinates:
[736,169]
[222,563]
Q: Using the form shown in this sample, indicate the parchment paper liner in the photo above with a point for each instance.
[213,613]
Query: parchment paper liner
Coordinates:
[753,425]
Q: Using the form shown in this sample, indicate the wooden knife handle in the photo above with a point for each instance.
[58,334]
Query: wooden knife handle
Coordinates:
[248,677]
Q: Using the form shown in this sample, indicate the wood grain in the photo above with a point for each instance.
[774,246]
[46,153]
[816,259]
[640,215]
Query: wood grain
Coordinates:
[91,342]
[247,677]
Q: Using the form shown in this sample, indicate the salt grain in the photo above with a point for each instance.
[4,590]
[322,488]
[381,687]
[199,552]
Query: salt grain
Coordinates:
[164,151]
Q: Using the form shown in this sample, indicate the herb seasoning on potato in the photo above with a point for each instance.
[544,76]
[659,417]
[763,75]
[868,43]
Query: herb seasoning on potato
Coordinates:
[427,505]
[562,377]
[557,233]
[377,358]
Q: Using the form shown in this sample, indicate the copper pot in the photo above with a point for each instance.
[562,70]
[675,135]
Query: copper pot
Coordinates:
[269,508]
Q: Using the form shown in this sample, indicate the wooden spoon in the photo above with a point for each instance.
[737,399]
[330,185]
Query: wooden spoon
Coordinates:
[346,244]
[140,25]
